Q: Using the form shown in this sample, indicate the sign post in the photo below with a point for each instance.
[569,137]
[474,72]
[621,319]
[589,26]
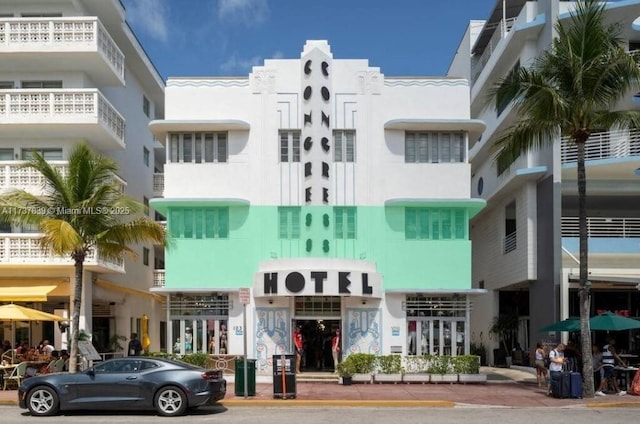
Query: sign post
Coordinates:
[245,296]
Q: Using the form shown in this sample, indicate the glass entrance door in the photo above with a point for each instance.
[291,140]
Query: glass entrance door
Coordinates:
[437,336]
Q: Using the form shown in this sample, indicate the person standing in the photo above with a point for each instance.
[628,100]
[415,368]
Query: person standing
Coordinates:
[335,349]
[298,344]
[556,361]
[541,369]
[135,347]
[596,354]
[609,359]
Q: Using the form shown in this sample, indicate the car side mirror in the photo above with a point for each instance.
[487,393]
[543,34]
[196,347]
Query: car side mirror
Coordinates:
[91,372]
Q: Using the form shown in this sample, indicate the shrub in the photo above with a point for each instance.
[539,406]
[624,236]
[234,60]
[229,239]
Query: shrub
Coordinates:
[389,364]
[440,365]
[361,363]
[417,364]
[197,359]
[466,364]
[345,369]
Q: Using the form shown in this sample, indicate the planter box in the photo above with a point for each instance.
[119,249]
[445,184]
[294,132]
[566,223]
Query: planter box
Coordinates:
[362,378]
[416,378]
[346,381]
[444,378]
[472,378]
[387,378]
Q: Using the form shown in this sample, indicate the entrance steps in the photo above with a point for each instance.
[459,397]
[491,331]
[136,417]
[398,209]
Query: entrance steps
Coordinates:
[317,377]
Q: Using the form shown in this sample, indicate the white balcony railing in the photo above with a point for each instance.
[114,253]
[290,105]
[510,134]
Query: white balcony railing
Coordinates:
[60,106]
[13,176]
[604,145]
[158,278]
[26,249]
[60,34]
[502,28]
[158,184]
[602,227]
[510,242]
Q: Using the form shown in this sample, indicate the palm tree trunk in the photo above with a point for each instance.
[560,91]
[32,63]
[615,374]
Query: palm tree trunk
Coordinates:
[585,298]
[75,315]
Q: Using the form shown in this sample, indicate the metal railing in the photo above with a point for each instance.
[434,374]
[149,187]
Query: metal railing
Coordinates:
[603,227]
[158,184]
[502,28]
[65,33]
[510,242]
[604,145]
[158,278]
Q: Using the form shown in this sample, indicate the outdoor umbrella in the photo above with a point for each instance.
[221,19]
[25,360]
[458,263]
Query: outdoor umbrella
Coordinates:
[611,322]
[569,324]
[12,312]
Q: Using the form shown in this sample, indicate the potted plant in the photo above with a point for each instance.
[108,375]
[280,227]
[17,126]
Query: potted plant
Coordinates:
[363,366]
[468,369]
[416,368]
[389,369]
[441,369]
[505,327]
[345,371]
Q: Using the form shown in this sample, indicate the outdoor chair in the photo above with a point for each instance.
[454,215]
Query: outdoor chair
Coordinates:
[17,375]
[8,356]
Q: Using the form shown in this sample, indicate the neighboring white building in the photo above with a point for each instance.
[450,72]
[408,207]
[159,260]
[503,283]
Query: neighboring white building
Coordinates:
[70,71]
[338,195]
[525,242]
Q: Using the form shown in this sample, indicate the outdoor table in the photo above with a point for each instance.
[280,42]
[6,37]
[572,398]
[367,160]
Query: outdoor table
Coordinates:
[625,376]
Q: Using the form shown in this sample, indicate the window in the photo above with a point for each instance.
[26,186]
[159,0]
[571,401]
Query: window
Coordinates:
[434,147]
[435,224]
[145,256]
[199,223]
[198,147]
[289,223]
[510,233]
[500,107]
[344,142]
[6,85]
[289,146]
[145,156]
[145,201]
[146,106]
[41,84]
[47,154]
[6,154]
[344,222]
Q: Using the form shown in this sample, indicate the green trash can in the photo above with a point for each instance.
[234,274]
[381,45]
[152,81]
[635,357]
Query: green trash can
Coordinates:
[251,377]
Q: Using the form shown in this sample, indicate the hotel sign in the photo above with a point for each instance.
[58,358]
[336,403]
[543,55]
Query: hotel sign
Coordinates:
[318,283]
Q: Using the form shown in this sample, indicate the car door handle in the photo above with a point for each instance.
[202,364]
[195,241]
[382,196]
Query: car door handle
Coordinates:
[132,377]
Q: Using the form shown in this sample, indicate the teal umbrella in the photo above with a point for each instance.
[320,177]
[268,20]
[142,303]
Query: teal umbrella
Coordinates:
[569,324]
[611,322]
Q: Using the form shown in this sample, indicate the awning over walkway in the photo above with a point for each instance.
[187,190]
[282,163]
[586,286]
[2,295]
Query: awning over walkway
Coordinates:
[32,289]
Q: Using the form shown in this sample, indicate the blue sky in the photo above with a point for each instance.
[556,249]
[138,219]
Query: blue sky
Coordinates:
[227,37]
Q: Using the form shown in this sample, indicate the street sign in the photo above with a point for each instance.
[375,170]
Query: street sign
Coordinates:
[245,296]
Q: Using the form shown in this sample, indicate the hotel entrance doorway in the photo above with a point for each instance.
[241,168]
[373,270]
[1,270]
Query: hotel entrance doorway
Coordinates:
[316,339]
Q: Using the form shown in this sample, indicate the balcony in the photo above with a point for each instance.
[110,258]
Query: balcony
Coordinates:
[62,113]
[502,28]
[612,237]
[607,227]
[604,145]
[158,184]
[24,250]
[158,278]
[61,44]
[13,176]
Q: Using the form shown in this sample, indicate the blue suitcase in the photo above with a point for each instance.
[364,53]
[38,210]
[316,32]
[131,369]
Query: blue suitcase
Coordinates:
[576,384]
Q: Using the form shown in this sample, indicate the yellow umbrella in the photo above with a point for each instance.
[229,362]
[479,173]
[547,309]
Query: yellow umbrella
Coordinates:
[12,312]
[146,342]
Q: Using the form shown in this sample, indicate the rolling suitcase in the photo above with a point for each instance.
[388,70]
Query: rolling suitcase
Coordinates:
[561,385]
[576,384]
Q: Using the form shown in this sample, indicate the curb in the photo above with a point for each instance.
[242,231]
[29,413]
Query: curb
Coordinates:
[612,405]
[340,402]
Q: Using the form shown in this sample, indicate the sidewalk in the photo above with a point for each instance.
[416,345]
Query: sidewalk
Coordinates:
[505,387]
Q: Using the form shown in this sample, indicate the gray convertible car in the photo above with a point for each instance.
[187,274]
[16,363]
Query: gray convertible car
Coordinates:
[132,383]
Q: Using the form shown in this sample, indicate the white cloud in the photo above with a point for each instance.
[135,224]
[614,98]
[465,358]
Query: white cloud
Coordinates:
[245,11]
[150,17]
[240,66]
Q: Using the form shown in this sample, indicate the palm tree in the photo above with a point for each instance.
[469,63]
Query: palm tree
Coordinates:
[81,211]
[571,90]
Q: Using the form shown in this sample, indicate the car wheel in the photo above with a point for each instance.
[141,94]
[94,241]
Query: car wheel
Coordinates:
[170,401]
[42,401]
